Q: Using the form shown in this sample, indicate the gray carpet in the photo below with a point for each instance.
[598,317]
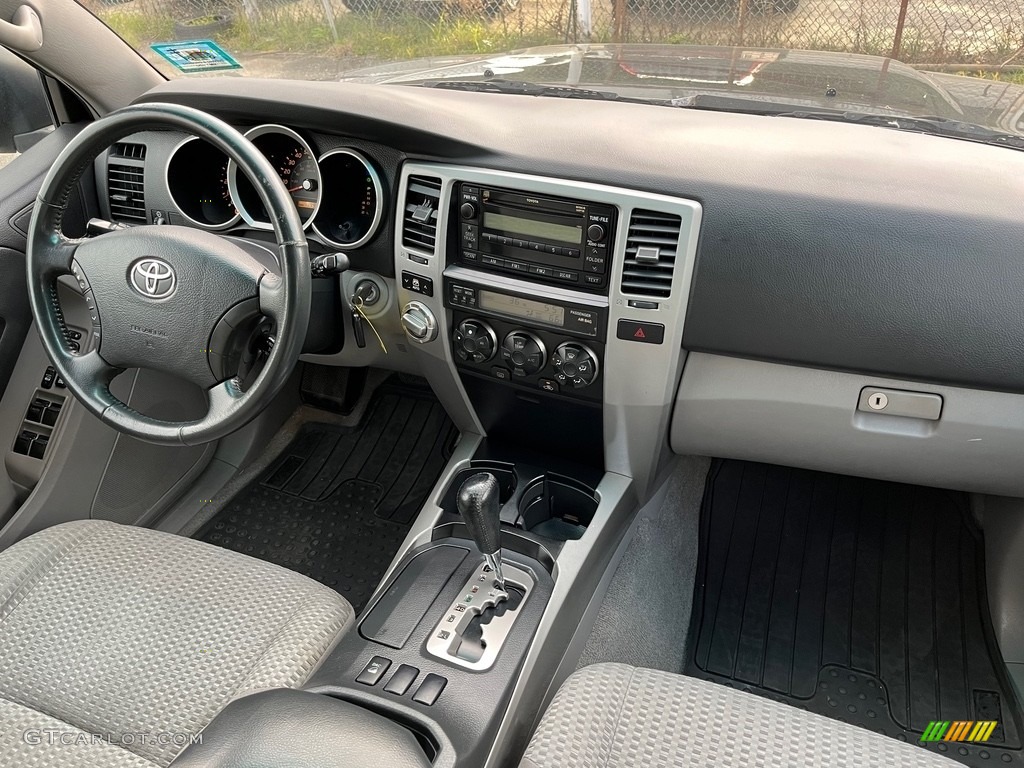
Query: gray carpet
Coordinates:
[657,569]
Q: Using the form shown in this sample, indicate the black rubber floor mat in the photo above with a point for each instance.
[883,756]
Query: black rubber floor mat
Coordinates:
[338,502]
[856,599]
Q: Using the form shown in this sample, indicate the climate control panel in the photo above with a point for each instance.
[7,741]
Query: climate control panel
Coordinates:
[532,358]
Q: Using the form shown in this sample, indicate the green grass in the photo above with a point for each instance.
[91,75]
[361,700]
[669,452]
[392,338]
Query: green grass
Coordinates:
[139,29]
[1003,77]
[358,35]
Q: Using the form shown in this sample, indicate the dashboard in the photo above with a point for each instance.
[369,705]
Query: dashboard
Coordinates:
[813,264]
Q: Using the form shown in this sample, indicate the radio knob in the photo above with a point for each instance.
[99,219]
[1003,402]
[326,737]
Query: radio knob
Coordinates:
[468,211]
[595,232]
[524,352]
[575,365]
[474,341]
[419,322]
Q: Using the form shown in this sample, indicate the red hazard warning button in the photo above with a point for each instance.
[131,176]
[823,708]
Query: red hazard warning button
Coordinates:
[648,333]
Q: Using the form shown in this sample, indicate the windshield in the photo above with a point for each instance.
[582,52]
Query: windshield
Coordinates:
[958,61]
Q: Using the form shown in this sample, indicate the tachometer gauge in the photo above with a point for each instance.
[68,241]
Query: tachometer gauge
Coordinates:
[353,204]
[295,163]
[197,178]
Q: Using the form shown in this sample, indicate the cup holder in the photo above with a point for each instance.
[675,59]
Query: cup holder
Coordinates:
[557,507]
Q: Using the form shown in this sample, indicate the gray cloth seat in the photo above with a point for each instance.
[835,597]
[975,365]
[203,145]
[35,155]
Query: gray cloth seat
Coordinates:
[617,716]
[119,644]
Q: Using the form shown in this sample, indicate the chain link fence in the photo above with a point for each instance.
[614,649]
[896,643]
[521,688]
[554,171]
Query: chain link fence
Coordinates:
[982,32]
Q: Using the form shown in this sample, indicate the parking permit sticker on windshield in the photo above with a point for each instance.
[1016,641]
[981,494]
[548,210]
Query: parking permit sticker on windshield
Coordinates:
[196,56]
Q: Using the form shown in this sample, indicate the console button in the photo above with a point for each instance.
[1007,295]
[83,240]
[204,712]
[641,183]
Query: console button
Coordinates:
[492,261]
[48,377]
[374,670]
[518,266]
[500,373]
[593,279]
[525,352]
[417,283]
[402,680]
[429,689]
[475,340]
[536,269]
[469,256]
[548,385]
[574,364]
[646,333]
[567,275]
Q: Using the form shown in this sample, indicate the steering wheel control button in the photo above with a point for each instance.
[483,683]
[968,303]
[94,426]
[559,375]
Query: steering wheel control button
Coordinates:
[373,671]
[152,278]
[80,278]
[429,690]
[402,680]
[899,402]
[417,284]
[645,333]
[524,352]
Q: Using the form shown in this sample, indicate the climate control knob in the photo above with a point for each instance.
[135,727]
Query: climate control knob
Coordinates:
[524,353]
[474,341]
[575,365]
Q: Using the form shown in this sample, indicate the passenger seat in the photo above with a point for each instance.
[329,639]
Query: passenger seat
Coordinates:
[617,716]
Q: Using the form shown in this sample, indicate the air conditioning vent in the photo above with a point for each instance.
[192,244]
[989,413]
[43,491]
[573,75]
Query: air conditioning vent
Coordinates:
[419,227]
[125,190]
[651,248]
[130,150]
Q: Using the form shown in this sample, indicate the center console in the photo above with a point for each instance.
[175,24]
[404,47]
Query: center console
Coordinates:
[547,315]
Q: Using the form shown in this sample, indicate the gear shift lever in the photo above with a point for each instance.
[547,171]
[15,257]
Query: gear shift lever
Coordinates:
[479,505]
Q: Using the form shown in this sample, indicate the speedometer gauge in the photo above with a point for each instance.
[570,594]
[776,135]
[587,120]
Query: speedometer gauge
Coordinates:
[295,163]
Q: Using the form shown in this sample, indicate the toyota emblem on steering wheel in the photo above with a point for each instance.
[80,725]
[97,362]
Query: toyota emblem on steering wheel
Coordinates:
[153,278]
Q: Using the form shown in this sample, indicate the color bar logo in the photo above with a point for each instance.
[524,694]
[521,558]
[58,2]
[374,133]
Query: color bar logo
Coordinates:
[959,730]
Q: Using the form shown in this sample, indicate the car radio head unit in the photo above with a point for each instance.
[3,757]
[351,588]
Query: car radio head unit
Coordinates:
[550,239]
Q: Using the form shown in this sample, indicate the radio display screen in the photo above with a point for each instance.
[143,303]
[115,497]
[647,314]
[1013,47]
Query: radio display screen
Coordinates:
[517,225]
[527,309]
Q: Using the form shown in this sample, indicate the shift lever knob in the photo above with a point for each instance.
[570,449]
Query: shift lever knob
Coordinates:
[479,504]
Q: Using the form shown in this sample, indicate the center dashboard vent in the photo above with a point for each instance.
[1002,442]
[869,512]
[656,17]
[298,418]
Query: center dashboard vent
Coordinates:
[419,225]
[651,248]
[125,188]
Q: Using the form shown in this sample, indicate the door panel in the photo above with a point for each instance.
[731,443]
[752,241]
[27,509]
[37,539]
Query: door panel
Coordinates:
[19,183]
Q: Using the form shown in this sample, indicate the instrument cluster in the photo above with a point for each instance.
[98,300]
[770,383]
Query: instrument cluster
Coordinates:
[337,194]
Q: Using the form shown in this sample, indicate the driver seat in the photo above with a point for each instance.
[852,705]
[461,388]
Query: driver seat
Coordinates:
[119,644]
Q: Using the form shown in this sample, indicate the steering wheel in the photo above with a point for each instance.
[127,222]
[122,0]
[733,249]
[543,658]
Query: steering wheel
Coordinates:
[168,298]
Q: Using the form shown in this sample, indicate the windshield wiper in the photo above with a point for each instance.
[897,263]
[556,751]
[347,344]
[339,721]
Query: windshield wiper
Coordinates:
[520,88]
[934,126]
